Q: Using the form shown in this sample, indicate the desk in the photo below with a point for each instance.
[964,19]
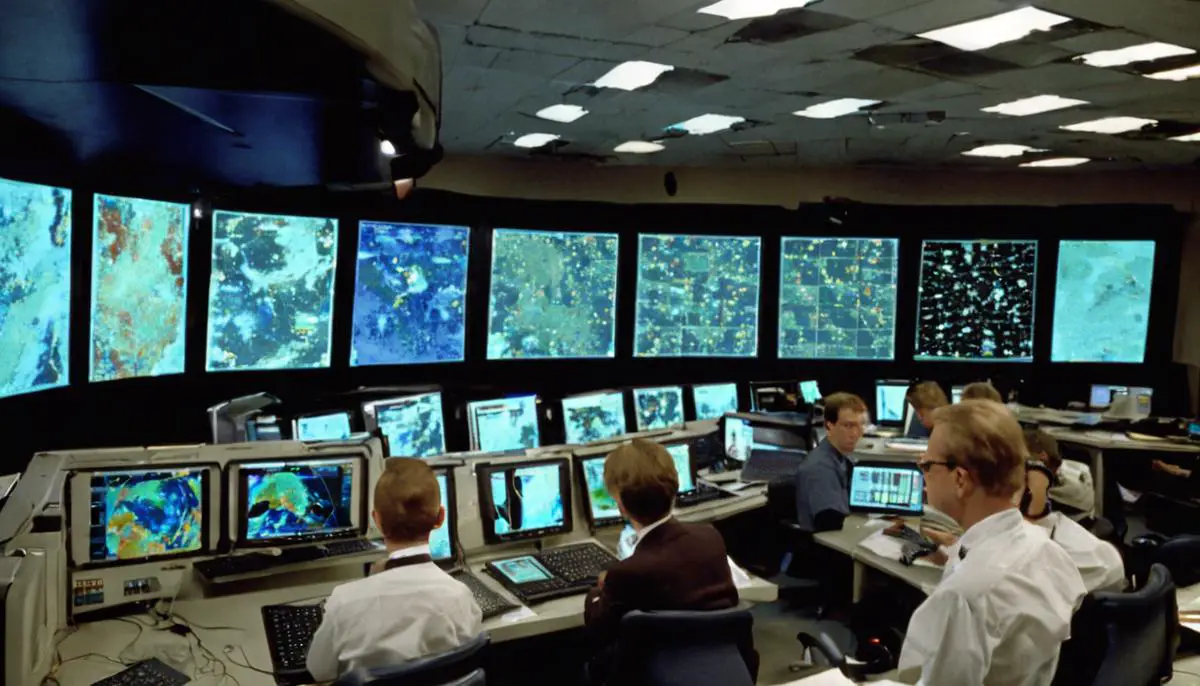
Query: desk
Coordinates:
[1188,598]
[854,529]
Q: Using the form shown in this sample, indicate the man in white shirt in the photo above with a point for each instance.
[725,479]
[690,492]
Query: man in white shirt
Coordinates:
[408,608]
[1004,604]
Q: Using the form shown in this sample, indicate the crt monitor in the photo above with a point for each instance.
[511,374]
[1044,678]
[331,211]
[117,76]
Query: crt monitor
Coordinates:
[413,425]
[524,499]
[323,426]
[1102,395]
[658,408]
[122,515]
[891,402]
[298,499]
[443,541]
[712,401]
[593,416]
[263,428]
[810,392]
[504,424]
[738,438]
[601,507]
[1194,430]
[887,488]
[774,396]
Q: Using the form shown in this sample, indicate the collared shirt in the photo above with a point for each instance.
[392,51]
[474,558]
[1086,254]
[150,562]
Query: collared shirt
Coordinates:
[644,532]
[1001,612]
[1098,562]
[394,616]
[822,483]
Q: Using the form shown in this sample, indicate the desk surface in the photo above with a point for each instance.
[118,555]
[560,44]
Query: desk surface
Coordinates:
[856,528]
[1116,440]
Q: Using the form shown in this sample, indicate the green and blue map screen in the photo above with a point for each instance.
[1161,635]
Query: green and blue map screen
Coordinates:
[285,500]
[147,513]
[527,499]
[439,539]
[413,426]
[594,417]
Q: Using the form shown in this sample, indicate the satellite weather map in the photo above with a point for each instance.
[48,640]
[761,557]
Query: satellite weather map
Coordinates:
[439,538]
[298,499]
[35,286]
[553,295]
[334,426]
[413,426]
[682,457]
[139,287]
[697,296]
[714,400]
[658,408]
[975,301]
[594,417]
[837,298]
[537,501]
[270,298]
[602,504]
[410,295]
[504,424]
[145,514]
[1102,301]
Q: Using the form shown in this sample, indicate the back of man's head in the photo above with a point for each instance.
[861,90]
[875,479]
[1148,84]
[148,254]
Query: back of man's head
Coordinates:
[408,503]
[927,395]
[985,438]
[1038,442]
[642,475]
[981,390]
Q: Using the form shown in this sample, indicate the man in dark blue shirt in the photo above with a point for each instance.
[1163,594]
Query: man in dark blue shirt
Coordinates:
[823,480]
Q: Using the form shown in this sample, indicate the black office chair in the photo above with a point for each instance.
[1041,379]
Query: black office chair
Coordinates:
[685,649]
[458,667]
[1179,554]
[796,547]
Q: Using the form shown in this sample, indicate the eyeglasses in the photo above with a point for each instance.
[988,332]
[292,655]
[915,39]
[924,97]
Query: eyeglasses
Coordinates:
[926,465]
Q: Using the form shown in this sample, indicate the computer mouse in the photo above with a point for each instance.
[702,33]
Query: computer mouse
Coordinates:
[867,446]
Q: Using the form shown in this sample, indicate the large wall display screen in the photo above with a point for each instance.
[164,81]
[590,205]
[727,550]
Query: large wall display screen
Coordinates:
[1102,301]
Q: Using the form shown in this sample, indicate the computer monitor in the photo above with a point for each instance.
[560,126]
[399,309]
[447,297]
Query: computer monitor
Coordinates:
[956,393]
[524,499]
[263,428]
[298,500]
[681,455]
[1194,430]
[1102,395]
[714,400]
[887,488]
[324,426]
[890,402]
[593,416]
[774,396]
[601,507]
[120,515]
[504,424]
[811,392]
[414,425]
[443,541]
[658,408]
[738,439]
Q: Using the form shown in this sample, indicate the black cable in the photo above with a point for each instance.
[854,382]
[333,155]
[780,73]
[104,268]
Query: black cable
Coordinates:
[229,655]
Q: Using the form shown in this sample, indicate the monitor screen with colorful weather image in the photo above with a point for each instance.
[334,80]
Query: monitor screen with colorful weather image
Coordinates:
[147,513]
[286,500]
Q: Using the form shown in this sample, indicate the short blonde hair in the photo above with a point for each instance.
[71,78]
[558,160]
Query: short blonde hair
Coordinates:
[982,390]
[642,474]
[407,499]
[927,395]
[985,438]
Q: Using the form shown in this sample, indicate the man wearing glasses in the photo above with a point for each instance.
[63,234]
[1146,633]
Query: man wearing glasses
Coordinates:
[1004,604]
[823,480]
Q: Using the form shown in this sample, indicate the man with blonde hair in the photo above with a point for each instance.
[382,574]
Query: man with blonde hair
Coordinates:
[981,390]
[1007,594]
[926,397]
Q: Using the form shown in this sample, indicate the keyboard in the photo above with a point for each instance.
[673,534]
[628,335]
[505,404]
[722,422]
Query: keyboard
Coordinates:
[702,494]
[238,565]
[290,630]
[152,672]
[578,564]
[489,601]
[771,465]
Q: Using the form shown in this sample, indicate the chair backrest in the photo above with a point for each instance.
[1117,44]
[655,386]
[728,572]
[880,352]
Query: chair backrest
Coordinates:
[458,667]
[686,649]
[1181,556]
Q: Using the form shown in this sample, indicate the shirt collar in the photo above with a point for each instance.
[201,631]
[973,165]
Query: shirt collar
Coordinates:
[411,551]
[989,527]
[645,532]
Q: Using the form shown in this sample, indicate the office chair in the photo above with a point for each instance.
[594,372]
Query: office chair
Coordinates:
[458,667]
[685,649]
[1179,554]
[796,547]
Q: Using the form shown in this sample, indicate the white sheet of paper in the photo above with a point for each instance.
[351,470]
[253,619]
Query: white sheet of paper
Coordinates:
[517,615]
[891,548]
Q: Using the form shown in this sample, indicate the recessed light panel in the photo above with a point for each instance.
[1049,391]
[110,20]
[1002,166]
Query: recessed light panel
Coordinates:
[1110,125]
[1189,138]
[1145,52]
[748,9]
[982,34]
[1001,150]
[535,140]
[1058,162]
[639,147]
[629,76]
[835,108]
[1035,105]
[708,123]
[562,113]
[1182,74]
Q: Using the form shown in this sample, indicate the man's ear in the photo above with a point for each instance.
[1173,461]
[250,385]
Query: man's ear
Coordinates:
[441,518]
[375,518]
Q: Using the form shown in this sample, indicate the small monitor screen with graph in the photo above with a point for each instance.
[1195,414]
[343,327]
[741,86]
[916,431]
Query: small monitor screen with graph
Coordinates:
[890,488]
[891,402]
[524,499]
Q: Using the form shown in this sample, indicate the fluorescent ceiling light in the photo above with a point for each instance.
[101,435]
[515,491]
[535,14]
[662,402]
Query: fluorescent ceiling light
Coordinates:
[562,113]
[1058,162]
[1181,74]
[982,34]
[629,76]
[1145,52]
[747,9]
[1110,125]
[1189,138]
[535,140]
[1001,150]
[835,108]
[1035,105]
[708,123]
[386,147]
[639,147]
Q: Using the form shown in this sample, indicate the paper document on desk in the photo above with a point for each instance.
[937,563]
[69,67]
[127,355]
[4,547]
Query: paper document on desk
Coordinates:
[741,578]
[833,677]
[891,548]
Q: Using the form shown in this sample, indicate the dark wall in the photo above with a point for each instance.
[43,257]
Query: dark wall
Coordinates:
[172,409]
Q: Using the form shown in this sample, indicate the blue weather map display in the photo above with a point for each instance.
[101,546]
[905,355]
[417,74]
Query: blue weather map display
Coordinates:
[603,505]
[439,538]
[682,457]
[35,286]
[553,295]
[536,503]
[697,296]
[714,400]
[140,514]
[414,426]
[270,298]
[139,287]
[976,300]
[298,499]
[1102,301]
[410,294]
[658,408]
[504,424]
[594,417]
[837,298]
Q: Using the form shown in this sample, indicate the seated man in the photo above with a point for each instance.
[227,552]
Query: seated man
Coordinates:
[1179,482]
[408,608]
[982,390]
[925,397]
[823,480]
[1070,488]
[1005,601]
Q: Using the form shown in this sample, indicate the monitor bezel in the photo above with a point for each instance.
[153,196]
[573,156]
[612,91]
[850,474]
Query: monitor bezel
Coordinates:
[722,429]
[487,514]
[787,385]
[737,398]
[235,482]
[370,414]
[873,464]
[562,409]
[323,413]
[633,407]
[585,492]
[473,430]
[78,501]
[451,507]
[904,419]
